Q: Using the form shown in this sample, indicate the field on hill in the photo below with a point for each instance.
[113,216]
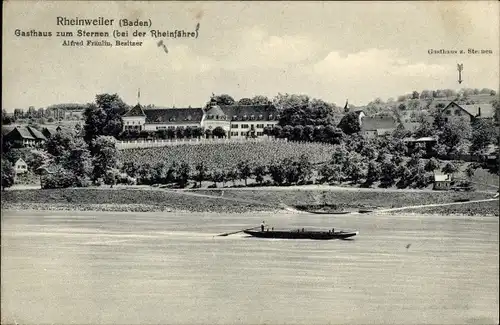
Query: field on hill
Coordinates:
[228,155]
[415,106]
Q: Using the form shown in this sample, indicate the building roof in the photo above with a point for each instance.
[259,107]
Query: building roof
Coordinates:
[242,112]
[194,115]
[480,110]
[36,133]
[377,123]
[453,104]
[423,139]
[24,133]
[173,115]
[6,129]
[135,111]
[65,129]
[215,111]
[49,130]
[474,110]
[20,161]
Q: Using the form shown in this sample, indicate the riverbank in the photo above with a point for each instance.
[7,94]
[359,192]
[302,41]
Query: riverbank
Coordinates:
[149,199]
[120,199]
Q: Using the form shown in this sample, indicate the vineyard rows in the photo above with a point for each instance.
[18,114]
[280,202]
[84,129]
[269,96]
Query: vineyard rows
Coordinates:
[228,155]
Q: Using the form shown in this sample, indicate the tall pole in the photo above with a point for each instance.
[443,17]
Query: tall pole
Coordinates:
[460,67]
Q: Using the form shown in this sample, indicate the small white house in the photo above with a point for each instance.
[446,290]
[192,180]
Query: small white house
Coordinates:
[20,166]
[442,181]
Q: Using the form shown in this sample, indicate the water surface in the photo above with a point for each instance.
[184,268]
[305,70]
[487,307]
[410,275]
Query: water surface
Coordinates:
[136,268]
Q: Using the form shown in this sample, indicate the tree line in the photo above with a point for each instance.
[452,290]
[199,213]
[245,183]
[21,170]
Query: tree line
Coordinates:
[94,159]
[289,171]
[446,93]
[355,160]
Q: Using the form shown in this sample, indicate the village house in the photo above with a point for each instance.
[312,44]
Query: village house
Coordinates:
[442,182]
[155,119]
[470,112]
[23,136]
[427,142]
[51,131]
[376,126]
[241,121]
[20,166]
[373,126]
[238,121]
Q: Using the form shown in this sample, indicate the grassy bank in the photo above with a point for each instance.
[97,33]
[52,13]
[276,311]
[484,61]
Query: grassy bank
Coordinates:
[119,200]
[349,199]
[238,201]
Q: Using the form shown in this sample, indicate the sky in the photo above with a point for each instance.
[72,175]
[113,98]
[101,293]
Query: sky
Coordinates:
[328,50]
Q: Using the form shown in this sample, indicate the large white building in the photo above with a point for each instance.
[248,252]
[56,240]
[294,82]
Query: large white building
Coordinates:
[238,121]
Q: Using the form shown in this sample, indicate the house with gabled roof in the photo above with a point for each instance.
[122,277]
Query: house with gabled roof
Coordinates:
[375,126]
[442,181]
[239,121]
[20,166]
[360,114]
[250,120]
[471,112]
[155,119]
[50,131]
[23,136]
[134,119]
[215,117]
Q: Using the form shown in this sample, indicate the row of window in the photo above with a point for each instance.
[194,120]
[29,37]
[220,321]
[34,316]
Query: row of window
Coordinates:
[245,126]
[172,119]
[216,117]
[170,127]
[233,126]
[235,134]
[252,117]
[242,118]
[133,127]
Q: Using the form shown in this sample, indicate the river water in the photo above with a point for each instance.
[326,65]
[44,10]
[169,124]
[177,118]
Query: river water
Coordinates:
[137,268]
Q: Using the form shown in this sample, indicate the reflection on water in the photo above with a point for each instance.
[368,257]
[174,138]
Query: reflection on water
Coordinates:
[172,268]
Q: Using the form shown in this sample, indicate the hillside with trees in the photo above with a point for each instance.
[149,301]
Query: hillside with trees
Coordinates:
[416,105]
[311,127]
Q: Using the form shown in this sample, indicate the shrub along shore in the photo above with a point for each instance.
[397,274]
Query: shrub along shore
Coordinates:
[242,201]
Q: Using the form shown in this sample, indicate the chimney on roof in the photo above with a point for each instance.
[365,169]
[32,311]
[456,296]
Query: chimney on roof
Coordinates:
[479,111]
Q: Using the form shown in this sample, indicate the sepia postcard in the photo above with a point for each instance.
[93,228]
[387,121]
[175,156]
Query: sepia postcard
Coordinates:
[250,162]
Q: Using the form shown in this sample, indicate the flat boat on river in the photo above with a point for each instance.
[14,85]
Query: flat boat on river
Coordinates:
[301,234]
